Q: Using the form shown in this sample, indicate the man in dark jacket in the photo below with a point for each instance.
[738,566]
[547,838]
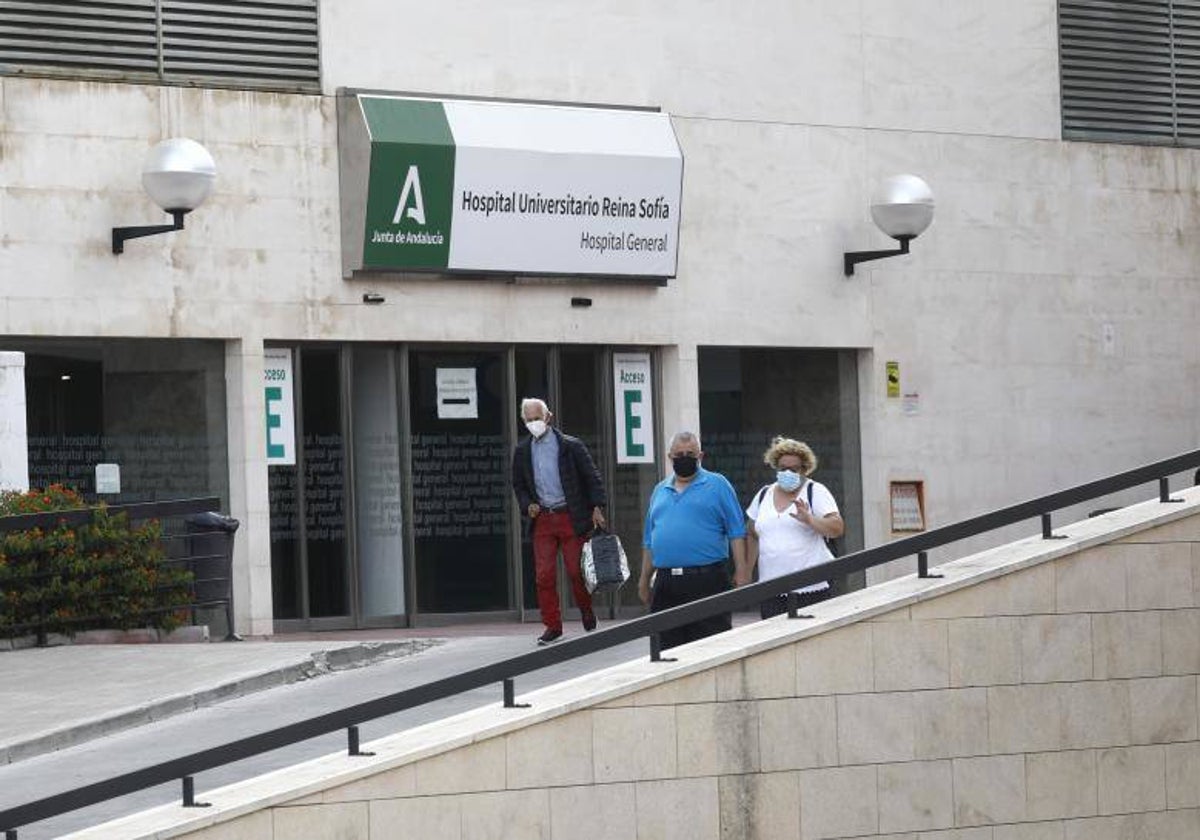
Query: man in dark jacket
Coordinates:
[561,496]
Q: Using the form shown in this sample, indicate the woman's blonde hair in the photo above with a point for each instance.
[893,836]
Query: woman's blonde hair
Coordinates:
[781,446]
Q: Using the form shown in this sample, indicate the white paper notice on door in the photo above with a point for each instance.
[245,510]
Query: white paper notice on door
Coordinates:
[457,394]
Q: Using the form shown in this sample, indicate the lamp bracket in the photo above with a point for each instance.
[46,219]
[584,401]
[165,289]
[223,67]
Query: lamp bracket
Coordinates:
[120,234]
[852,258]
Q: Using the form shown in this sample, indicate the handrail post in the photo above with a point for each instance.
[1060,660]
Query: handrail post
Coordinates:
[510,695]
[656,650]
[923,566]
[352,743]
[793,606]
[1048,529]
[1164,491]
[189,794]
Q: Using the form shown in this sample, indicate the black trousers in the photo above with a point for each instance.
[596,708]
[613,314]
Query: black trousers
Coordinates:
[672,590]
[778,604]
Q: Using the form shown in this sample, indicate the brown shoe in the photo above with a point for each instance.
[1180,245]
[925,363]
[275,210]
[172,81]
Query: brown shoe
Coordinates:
[589,620]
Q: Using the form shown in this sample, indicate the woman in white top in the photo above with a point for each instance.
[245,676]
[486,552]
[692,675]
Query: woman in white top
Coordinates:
[785,533]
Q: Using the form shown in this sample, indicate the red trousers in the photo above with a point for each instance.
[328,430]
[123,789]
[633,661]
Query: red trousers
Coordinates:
[552,531]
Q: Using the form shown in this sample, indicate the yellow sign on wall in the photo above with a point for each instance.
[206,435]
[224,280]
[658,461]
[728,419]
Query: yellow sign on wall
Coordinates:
[893,379]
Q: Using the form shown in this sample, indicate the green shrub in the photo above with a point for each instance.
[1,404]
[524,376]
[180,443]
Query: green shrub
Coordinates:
[102,574]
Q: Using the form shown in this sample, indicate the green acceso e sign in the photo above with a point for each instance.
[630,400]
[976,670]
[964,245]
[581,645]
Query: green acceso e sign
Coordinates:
[478,187]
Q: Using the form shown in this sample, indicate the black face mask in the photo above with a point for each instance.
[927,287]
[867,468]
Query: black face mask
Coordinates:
[685,465]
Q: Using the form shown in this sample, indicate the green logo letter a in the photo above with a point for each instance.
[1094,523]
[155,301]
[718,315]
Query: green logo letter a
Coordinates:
[412,185]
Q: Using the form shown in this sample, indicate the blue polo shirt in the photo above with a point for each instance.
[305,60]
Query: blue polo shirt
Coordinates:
[693,528]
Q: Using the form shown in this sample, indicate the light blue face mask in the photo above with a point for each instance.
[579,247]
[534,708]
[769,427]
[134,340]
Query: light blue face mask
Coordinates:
[787,480]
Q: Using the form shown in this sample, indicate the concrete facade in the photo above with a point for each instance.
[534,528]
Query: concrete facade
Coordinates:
[1039,690]
[1046,320]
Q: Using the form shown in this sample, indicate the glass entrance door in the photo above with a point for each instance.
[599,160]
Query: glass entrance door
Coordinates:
[308,499]
[581,412]
[378,527]
[577,383]
[569,380]
[459,455]
[324,482]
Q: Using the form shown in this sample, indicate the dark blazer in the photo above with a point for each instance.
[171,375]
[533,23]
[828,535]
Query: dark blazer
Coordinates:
[581,481]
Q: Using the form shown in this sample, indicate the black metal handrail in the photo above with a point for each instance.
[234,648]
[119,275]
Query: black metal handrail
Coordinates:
[135,512]
[651,625]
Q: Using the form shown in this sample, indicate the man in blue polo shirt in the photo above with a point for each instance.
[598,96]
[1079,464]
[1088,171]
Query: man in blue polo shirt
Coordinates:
[693,523]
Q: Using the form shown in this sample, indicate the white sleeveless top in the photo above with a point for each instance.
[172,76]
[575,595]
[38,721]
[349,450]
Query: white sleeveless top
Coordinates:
[786,544]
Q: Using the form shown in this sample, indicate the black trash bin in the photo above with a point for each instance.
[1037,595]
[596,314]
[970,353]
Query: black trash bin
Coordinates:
[210,560]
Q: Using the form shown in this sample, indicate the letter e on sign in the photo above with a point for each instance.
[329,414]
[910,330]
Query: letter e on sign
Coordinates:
[280,410]
[634,410]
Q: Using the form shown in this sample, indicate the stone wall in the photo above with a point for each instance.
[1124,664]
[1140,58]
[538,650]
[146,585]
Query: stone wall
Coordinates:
[1044,690]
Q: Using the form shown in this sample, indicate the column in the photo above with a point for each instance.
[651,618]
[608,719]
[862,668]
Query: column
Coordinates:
[680,391]
[14,442]
[248,499]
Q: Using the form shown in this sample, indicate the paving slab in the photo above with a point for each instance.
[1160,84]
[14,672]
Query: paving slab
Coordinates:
[464,647]
[57,697]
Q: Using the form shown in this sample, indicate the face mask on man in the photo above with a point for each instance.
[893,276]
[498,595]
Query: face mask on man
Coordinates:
[685,465]
[788,480]
[537,428]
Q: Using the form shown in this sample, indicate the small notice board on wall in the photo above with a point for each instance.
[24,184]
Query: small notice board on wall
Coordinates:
[908,505]
[457,394]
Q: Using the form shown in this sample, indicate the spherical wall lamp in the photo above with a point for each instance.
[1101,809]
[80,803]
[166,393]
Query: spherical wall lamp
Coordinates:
[179,174]
[902,208]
